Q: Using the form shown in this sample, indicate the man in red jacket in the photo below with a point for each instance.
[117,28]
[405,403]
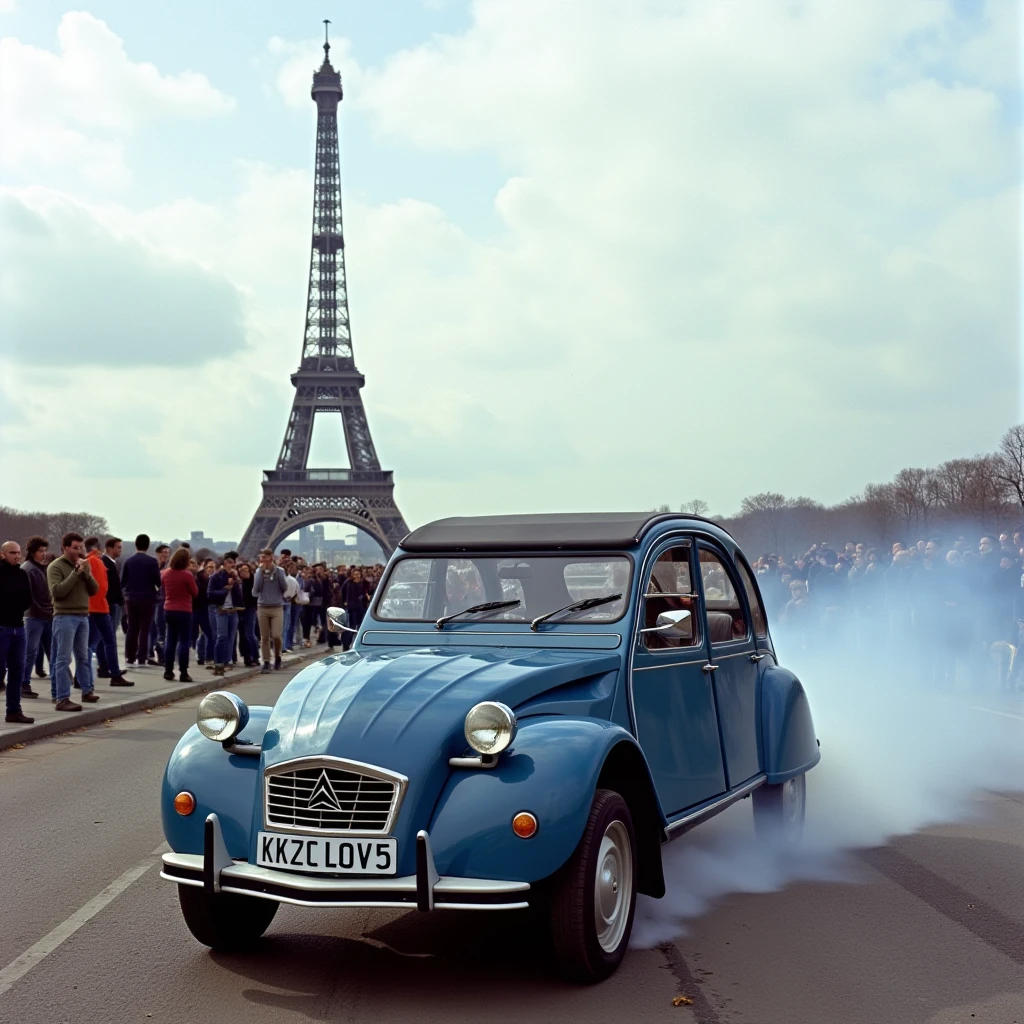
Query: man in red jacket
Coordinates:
[101,627]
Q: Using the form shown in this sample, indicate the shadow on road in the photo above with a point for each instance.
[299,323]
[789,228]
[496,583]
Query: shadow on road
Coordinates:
[447,959]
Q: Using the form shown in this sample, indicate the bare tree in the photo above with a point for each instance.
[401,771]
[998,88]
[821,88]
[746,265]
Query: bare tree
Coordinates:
[1010,461]
[695,507]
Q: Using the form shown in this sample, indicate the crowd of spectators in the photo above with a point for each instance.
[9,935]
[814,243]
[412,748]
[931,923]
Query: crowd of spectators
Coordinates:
[68,608]
[941,611]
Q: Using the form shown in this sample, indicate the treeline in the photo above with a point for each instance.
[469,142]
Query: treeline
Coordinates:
[18,525]
[962,496]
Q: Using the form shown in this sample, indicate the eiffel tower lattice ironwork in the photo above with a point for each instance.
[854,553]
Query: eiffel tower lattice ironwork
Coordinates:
[327,380]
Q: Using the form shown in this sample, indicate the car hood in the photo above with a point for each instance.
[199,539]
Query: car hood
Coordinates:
[393,707]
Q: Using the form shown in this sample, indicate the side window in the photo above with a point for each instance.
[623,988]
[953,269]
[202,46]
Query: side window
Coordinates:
[670,588]
[754,600]
[721,602]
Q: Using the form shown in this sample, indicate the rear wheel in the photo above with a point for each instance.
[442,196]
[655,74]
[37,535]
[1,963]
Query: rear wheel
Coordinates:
[779,811]
[225,921]
[594,895]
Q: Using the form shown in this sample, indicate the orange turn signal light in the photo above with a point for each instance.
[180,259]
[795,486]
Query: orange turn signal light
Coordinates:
[184,803]
[524,824]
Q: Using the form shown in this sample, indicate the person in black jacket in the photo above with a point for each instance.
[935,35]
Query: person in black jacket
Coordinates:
[140,580]
[15,598]
[355,599]
[115,598]
[224,593]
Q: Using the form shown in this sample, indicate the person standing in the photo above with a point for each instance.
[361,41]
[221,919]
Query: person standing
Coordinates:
[270,584]
[15,599]
[115,598]
[40,611]
[71,585]
[140,579]
[355,599]
[247,617]
[291,609]
[101,631]
[158,629]
[180,591]
[224,592]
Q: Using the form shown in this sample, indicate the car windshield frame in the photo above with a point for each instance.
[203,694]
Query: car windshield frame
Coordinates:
[523,612]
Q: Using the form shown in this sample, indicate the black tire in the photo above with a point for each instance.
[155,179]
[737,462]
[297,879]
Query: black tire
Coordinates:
[225,921]
[779,811]
[573,906]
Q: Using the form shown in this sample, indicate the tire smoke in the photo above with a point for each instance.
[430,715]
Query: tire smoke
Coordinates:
[895,757]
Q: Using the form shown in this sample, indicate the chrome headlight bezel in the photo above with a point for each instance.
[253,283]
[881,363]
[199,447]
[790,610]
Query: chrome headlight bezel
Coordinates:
[227,708]
[490,715]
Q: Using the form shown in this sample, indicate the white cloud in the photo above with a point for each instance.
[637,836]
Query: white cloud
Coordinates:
[108,298]
[75,106]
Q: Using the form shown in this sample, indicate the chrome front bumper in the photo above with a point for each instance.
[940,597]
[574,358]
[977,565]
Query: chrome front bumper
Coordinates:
[215,871]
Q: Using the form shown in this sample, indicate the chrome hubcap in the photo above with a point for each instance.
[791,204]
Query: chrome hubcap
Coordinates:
[613,886]
[793,802]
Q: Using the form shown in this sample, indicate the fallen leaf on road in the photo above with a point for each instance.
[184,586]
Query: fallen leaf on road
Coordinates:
[16,746]
[682,1001]
[149,711]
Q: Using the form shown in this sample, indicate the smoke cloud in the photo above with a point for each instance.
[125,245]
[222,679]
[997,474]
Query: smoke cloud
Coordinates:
[896,757]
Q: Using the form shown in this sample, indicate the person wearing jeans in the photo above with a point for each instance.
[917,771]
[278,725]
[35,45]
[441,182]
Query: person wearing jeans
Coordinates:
[71,585]
[39,614]
[115,598]
[269,585]
[247,618]
[15,598]
[224,592]
[180,591]
[101,628]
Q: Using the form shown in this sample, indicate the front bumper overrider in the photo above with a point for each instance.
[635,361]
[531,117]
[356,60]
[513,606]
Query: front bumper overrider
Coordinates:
[215,871]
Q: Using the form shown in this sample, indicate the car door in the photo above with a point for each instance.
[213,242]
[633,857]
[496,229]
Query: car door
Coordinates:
[672,693]
[735,660]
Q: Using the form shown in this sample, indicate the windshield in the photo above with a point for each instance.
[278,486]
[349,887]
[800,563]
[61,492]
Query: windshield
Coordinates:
[426,589]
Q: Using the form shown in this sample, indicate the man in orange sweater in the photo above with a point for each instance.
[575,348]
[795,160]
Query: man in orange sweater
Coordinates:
[101,627]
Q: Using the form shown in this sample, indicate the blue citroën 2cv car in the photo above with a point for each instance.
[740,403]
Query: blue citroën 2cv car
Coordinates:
[532,706]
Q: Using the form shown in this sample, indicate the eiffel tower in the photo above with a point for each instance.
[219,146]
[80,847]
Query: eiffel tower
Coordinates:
[327,379]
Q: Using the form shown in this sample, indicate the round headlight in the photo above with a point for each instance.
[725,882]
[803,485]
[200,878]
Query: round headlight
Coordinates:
[490,727]
[221,716]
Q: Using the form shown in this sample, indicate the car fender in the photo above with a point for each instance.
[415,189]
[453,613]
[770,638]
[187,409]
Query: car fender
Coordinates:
[552,771]
[787,728]
[227,784]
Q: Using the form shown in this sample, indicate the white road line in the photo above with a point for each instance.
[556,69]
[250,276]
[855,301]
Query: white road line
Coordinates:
[39,951]
[1004,714]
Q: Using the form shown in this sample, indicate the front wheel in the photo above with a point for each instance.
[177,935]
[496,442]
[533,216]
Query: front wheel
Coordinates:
[594,895]
[224,921]
[779,811]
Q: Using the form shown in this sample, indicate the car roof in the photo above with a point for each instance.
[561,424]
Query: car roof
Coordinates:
[550,531]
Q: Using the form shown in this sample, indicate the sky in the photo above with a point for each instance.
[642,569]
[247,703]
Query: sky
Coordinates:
[601,253]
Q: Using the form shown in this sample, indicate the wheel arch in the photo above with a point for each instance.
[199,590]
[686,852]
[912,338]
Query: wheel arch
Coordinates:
[787,728]
[626,772]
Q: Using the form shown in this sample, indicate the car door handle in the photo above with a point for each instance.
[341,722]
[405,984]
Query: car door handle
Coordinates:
[757,657]
[710,668]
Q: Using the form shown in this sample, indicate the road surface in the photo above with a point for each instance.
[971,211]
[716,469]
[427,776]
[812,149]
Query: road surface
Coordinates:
[927,929]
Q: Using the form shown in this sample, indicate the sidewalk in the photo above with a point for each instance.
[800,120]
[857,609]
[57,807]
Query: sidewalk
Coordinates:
[150,691]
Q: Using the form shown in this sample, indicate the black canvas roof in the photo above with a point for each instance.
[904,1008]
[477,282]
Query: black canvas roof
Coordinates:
[539,532]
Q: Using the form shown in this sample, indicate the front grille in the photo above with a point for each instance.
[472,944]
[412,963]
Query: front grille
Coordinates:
[331,795]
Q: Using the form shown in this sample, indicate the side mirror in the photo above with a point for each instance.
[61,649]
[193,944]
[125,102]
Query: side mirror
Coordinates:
[674,623]
[337,621]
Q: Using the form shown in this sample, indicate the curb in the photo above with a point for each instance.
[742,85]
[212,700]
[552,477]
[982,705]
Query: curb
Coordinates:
[96,716]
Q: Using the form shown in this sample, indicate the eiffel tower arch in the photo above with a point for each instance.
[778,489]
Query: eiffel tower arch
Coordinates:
[327,380]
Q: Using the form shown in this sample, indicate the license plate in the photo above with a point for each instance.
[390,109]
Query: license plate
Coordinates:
[327,854]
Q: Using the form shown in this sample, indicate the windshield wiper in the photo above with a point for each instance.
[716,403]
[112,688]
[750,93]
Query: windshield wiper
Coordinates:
[489,606]
[576,606]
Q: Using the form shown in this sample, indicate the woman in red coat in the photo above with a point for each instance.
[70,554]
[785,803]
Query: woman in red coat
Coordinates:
[180,590]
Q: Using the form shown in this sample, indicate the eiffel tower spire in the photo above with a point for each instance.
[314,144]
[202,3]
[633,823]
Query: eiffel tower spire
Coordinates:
[327,380]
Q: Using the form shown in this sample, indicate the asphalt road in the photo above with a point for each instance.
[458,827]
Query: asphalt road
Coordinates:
[928,929]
